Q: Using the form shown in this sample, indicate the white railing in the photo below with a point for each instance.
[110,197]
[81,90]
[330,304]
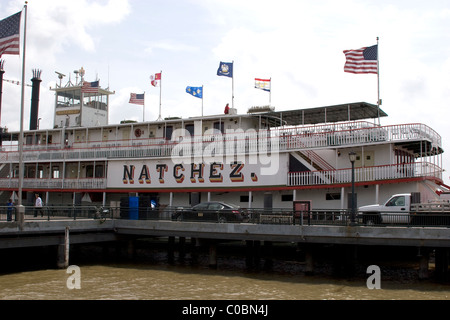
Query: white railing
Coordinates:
[366,174]
[307,178]
[68,184]
[301,138]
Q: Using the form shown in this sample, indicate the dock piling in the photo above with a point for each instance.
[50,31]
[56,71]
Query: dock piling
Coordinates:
[63,251]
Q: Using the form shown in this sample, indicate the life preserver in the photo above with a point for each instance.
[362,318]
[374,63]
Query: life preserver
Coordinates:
[137,133]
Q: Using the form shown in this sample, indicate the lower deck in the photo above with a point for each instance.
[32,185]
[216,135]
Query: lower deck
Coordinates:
[283,198]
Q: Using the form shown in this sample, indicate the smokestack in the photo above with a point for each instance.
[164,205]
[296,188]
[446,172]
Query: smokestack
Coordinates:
[34,113]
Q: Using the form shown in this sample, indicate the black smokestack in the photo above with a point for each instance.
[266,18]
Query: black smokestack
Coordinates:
[34,113]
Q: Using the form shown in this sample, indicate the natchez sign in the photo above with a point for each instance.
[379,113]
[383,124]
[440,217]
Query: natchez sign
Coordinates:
[167,174]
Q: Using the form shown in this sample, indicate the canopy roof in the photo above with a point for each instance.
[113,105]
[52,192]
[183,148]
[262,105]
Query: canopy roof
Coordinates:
[341,112]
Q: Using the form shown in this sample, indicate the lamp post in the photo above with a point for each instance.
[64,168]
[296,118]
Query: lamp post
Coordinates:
[352,157]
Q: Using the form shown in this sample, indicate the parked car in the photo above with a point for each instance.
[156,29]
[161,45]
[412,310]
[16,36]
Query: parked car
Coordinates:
[211,211]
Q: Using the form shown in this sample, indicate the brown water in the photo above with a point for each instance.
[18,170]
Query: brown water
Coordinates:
[107,273]
[159,282]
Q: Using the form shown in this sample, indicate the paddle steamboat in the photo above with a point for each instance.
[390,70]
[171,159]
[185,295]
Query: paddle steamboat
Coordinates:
[259,159]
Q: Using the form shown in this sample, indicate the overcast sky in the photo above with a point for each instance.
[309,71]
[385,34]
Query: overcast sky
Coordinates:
[299,44]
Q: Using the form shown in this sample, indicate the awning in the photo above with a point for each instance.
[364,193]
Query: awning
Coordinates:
[342,112]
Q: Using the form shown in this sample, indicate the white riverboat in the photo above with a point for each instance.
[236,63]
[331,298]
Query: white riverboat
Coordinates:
[262,158]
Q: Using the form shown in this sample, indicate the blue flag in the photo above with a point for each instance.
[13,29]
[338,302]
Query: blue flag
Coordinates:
[195,91]
[225,69]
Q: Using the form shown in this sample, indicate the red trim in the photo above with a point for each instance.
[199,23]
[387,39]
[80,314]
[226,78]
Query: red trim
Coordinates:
[238,189]
[444,185]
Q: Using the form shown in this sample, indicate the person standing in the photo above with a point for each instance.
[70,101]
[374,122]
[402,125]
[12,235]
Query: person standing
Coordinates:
[38,206]
[9,210]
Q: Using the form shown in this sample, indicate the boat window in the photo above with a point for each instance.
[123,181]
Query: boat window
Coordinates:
[245,199]
[219,126]
[99,171]
[95,101]
[190,129]
[55,172]
[168,132]
[67,99]
[40,173]
[89,171]
[333,196]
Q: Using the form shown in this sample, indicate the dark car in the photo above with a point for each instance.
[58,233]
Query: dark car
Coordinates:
[211,211]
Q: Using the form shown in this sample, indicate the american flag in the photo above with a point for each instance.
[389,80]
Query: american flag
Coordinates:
[90,87]
[10,34]
[364,60]
[137,98]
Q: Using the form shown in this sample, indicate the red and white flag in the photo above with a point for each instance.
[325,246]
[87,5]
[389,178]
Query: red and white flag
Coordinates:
[154,80]
[263,84]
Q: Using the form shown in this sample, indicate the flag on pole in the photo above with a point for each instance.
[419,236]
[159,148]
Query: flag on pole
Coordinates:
[195,91]
[137,98]
[10,34]
[225,69]
[263,84]
[154,79]
[90,87]
[364,60]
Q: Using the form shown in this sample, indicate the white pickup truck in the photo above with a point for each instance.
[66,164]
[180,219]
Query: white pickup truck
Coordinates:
[406,208]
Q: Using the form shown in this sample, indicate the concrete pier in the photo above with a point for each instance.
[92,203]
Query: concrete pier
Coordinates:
[195,247]
[171,250]
[424,263]
[268,255]
[212,255]
[131,249]
[63,251]
[441,264]
[181,249]
[253,254]
[309,260]
[310,239]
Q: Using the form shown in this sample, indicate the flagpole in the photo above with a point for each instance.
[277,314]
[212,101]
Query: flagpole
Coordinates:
[202,100]
[2,71]
[378,82]
[21,169]
[160,91]
[143,110]
[270,92]
[232,85]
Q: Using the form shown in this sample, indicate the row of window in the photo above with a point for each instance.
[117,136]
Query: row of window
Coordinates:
[56,172]
[290,197]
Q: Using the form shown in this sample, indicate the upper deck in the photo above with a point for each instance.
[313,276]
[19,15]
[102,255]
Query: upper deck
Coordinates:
[418,138]
[284,131]
[87,158]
